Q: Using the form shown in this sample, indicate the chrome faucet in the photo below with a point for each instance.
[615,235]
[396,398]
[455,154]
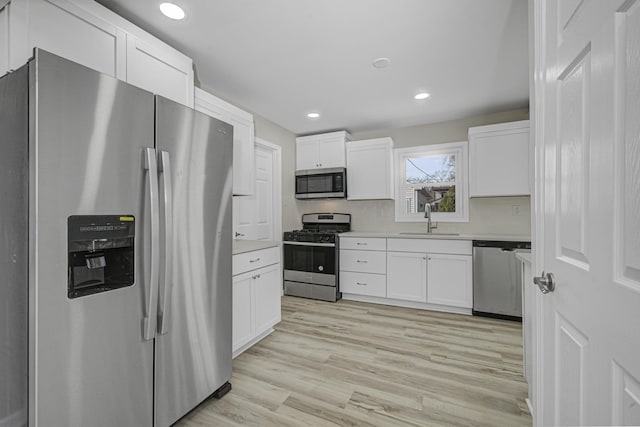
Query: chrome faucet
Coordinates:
[427,214]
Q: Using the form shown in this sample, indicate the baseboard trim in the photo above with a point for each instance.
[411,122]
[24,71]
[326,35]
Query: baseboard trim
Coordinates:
[406,304]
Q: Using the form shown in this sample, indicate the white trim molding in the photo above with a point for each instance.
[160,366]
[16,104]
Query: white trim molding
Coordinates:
[461,151]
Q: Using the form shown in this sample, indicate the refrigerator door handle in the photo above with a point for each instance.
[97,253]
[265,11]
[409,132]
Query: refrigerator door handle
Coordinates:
[151,167]
[164,168]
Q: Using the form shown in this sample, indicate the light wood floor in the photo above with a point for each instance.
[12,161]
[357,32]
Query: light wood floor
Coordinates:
[357,364]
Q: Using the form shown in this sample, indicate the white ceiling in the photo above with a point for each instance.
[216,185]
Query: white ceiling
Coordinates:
[284,58]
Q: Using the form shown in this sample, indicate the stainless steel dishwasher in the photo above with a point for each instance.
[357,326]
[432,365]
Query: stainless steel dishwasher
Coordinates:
[497,279]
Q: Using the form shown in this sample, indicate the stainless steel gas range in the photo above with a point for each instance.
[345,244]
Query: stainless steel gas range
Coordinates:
[311,256]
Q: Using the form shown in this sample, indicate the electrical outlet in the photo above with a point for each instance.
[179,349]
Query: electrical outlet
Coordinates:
[515,210]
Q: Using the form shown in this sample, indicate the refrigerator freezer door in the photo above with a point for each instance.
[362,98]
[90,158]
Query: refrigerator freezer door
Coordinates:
[193,359]
[14,114]
[89,364]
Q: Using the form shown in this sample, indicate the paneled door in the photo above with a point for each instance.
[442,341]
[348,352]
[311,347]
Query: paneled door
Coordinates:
[587,92]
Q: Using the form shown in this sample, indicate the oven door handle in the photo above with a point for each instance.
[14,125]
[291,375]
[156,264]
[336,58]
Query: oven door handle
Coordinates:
[327,245]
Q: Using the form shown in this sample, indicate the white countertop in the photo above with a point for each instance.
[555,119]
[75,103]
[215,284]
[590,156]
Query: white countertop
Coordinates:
[524,257]
[242,246]
[444,236]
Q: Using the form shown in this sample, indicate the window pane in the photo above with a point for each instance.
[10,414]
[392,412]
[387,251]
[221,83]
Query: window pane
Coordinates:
[431,179]
[439,168]
[442,198]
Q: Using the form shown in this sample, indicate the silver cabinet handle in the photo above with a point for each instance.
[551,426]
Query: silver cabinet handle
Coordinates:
[151,169]
[239,234]
[546,282]
[361,284]
[164,167]
[363,262]
[254,260]
[361,244]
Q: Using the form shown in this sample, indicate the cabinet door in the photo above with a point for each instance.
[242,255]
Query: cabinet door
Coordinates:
[407,276]
[242,323]
[243,155]
[449,280]
[370,169]
[160,70]
[307,155]
[243,138]
[499,160]
[331,153]
[267,287]
[67,30]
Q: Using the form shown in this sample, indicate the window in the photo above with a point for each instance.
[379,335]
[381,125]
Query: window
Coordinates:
[435,175]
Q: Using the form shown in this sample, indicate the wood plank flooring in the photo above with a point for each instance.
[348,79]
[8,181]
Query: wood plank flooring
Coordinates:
[356,364]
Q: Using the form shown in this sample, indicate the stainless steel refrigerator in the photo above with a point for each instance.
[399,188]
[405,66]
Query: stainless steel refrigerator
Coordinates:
[115,253]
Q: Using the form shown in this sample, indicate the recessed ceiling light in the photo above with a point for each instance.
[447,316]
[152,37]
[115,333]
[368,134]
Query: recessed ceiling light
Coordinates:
[422,95]
[172,11]
[313,115]
[381,62]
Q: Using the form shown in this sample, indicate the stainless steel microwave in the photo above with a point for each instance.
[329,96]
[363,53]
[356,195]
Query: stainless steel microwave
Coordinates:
[321,183]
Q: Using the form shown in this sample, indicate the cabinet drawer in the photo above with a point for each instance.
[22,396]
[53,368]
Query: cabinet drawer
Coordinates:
[374,285]
[255,259]
[363,261]
[432,246]
[363,243]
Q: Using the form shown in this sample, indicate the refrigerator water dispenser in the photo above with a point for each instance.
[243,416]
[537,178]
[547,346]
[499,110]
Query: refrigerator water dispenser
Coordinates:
[101,253]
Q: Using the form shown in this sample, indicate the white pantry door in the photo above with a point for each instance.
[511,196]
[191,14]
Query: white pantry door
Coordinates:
[587,81]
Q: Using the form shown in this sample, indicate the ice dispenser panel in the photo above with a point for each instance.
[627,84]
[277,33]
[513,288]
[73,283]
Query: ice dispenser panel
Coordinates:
[100,253]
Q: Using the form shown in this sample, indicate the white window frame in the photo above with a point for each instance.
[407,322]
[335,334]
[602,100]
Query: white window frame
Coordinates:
[461,151]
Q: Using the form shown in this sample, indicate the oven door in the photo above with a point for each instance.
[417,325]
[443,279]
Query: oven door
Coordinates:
[310,262]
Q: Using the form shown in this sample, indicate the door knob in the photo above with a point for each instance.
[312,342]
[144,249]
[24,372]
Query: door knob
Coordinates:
[546,282]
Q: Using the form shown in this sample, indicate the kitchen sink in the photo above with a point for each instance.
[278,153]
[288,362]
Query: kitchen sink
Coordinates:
[431,234]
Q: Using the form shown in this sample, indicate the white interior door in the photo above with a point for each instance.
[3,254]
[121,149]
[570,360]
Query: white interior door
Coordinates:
[587,75]
[264,215]
[259,216]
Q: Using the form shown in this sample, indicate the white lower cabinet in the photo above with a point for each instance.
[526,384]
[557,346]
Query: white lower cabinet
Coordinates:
[449,279]
[433,274]
[363,266]
[267,286]
[407,276]
[257,288]
[242,310]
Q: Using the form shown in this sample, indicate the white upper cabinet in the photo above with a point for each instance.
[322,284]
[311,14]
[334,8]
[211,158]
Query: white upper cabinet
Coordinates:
[321,151]
[243,138]
[370,169]
[499,160]
[157,69]
[87,33]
